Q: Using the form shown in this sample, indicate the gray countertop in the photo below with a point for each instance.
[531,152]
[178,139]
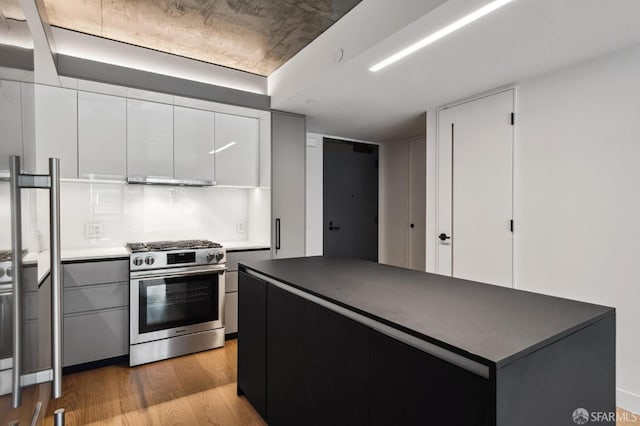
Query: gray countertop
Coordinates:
[490,324]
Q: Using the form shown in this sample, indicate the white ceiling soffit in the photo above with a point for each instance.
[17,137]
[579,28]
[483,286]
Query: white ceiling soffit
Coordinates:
[112,52]
[523,39]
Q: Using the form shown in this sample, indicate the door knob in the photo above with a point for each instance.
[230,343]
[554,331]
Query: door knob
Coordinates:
[444,237]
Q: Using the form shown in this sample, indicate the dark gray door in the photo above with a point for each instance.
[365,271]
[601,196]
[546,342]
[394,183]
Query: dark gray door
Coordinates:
[350,199]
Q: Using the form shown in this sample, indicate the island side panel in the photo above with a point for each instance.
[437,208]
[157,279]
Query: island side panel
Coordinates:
[317,364]
[411,387]
[547,386]
[252,340]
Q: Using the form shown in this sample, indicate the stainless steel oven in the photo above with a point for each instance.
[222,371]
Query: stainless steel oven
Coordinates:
[177,307]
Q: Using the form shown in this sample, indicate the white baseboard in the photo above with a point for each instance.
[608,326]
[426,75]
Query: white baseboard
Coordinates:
[628,401]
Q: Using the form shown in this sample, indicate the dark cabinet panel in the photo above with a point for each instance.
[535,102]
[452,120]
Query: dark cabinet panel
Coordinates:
[252,344]
[317,364]
[411,387]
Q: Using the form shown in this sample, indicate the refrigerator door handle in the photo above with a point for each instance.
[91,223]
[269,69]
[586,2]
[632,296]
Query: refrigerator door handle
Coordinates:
[16,260]
[52,183]
[56,276]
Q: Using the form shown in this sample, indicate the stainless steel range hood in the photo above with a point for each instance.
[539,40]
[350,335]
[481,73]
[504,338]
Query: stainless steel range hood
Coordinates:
[156,180]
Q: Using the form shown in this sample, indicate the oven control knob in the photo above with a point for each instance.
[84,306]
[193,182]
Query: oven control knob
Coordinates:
[219,256]
[137,261]
[9,271]
[1,272]
[149,260]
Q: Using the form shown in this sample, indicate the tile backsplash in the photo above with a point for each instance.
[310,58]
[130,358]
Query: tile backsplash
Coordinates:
[125,213]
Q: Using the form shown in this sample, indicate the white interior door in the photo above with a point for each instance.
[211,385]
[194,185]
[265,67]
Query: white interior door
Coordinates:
[475,181]
[417,203]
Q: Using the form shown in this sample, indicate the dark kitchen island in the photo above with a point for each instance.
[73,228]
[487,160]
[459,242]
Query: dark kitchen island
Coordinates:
[328,341]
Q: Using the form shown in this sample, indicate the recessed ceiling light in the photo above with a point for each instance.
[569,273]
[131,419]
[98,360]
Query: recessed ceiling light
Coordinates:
[311,101]
[338,55]
[473,16]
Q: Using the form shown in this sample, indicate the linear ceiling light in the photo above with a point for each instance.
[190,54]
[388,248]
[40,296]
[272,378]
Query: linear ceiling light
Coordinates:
[473,16]
[222,148]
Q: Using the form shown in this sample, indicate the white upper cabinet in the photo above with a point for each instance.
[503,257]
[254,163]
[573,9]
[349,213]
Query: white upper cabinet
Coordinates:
[236,153]
[149,139]
[56,123]
[194,144]
[102,136]
[10,122]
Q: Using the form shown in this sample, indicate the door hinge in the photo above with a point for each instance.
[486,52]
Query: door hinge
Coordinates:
[513,118]
[511,225]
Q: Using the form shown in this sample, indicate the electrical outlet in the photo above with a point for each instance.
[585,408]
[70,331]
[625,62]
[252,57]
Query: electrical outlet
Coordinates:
[240,226]
[93,230]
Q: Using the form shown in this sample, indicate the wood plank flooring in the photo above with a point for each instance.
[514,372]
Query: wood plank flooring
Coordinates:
[198,389]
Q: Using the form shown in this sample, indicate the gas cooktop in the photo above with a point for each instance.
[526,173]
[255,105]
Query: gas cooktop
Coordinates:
[171,245]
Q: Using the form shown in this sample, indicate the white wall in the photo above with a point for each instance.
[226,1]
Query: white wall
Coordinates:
[577,195]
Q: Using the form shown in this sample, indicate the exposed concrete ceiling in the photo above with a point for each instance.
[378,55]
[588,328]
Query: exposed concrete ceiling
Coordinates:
[256,36]
[11,9]
[13,25]
[523,39]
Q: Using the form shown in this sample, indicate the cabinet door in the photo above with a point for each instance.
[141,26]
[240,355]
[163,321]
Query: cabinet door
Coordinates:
[102,136]
[193,144]
[149,139]
[236,153]
[288,144]
[95,336]
[231,312]
[317,364]
[411,387]
[252,340]
[10,122]
[56,122]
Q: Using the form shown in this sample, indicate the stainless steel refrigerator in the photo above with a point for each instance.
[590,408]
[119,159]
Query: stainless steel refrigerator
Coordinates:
[30,295]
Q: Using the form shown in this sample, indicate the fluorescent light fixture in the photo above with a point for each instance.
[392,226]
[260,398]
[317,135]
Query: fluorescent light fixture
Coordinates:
[473,16]
[222,148]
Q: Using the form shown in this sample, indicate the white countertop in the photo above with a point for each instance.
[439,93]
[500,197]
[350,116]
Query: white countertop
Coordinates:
[69,255]
[79,254]
[245,245]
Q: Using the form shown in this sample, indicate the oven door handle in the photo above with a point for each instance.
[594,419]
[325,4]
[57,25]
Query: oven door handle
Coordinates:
[179,274]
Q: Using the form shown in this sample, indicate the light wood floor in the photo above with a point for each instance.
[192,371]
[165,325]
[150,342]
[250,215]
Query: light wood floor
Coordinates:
[197,389]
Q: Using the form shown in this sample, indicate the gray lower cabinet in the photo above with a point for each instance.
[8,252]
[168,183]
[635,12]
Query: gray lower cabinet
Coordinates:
[96,336]
[96,311]
[231,312]
[231,284]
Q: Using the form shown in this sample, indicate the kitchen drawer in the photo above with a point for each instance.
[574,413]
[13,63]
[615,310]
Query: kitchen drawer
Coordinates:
[87,273]
[231,281]
[234,257]
[231,313]
[96,336]
[83,299]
